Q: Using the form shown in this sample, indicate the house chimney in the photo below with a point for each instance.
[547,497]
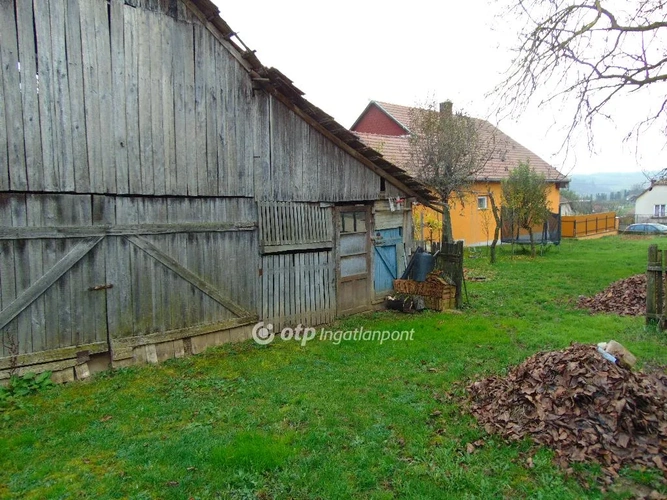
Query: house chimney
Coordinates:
[446,108]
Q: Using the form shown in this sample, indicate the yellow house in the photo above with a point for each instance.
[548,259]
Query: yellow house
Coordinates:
[386,128]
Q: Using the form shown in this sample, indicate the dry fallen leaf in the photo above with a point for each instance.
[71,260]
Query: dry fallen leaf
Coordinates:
[582,406]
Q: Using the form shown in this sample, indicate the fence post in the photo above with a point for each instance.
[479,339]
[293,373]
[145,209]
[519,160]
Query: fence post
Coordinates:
[450,260]
[574,229]
[654,285]
[662,323]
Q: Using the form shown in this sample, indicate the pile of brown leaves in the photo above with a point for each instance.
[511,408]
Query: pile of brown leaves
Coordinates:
[581,405]
[626,297]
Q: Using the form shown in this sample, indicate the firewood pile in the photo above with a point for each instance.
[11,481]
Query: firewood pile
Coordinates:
[583,406]
[626,297]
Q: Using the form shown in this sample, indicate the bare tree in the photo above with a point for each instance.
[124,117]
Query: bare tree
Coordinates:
[447,152]
[590,56]
[495,210]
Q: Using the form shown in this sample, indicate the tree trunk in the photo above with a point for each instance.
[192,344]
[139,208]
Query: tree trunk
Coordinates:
[447,236]
[496,232]
[532,242]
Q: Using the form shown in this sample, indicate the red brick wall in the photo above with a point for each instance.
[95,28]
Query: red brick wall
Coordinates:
[376,121]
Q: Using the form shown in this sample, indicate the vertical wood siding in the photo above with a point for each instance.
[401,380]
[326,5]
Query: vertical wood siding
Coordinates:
[143,296]
[133,152]
[306,166]
[298,288]
[101,96]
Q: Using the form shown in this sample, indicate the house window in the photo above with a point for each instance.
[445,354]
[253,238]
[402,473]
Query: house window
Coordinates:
[481,202]
[659,210]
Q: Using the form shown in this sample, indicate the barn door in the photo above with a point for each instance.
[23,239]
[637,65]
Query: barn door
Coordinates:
[298,278]
[386,259]
[354,273]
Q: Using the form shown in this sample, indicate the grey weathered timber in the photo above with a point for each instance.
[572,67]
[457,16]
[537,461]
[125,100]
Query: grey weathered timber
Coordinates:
[31,121]
[213,138]
[4,161]
[92,104]
[189,109]
[143,32]
[34,250]
[131,60]
[62,123]
[286,226]
[178,184]
[150,103]
[9,62]
[295,288]
[107,166]
[155,23]
[26,233]
[188,275]
[207,198]
[167,28]
[54,355]
[200,136]
[654,286]
[77,97]
[119,95]
[122,343]
[49,278]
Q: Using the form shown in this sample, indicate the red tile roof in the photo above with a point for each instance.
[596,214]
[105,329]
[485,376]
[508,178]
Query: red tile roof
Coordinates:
[399,113]
[510,152]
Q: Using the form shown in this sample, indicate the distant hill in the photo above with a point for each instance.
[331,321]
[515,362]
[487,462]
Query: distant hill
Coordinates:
[591,184]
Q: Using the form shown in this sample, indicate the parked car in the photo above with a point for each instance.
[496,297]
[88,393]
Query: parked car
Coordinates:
[647,228]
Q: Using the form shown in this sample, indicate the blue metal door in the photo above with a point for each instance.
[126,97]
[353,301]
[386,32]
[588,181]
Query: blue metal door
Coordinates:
[386,259]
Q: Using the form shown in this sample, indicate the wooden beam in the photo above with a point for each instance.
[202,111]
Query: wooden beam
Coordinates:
[235,51]
[319,245]
[31,233]
[188,275]
[35,290]
[182,333]
[52,355]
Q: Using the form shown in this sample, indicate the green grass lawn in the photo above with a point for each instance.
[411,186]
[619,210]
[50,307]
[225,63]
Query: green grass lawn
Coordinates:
[354,420]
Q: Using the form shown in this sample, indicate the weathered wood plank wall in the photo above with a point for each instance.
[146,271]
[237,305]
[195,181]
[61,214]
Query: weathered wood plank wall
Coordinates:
[298,283]
[306,166]
[288,226]
[108,97]
[298,288]
[132,122]
[213,239]
[105,97]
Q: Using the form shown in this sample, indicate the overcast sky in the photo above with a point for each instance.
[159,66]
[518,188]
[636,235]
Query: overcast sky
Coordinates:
[343,54]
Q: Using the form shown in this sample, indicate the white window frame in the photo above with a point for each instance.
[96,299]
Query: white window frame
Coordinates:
[659,210]
[484,205]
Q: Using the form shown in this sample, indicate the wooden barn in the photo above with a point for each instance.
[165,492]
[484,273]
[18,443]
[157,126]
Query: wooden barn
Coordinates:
[161,190]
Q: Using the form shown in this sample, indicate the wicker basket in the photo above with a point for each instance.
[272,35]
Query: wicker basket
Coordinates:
[438,294]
